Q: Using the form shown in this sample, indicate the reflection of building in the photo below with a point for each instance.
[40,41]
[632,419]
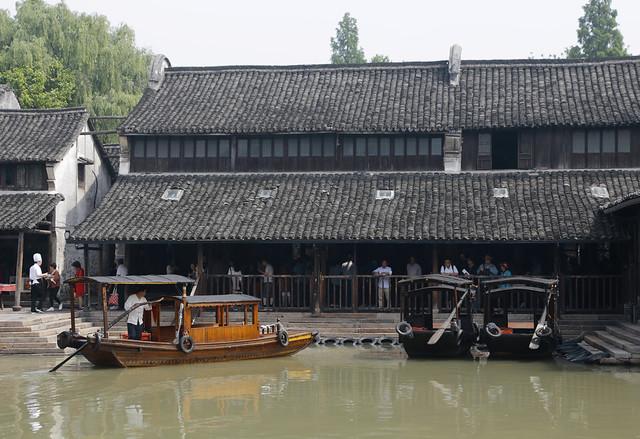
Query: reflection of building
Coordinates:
[510,158]
[52,176]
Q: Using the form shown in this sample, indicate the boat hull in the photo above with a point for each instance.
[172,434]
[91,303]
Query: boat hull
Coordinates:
[517,346]
[449,345]
[133,353]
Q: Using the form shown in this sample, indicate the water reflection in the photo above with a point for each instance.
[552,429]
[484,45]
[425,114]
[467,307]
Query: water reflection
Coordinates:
[322,392]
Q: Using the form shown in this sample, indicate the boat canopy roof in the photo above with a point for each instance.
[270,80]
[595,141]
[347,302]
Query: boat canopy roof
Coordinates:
[539,282]
[221,299]
[441,279]
[149,279]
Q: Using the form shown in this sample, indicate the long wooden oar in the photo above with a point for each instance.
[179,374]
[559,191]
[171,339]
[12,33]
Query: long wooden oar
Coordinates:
[535,339]
[436,337]
[62,363]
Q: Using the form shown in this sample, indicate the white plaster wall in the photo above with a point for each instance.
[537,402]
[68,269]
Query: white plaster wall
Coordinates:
[78,202]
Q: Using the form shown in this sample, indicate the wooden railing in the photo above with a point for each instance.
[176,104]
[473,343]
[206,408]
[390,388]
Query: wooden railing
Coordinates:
[281,292]
[592,294]
[579,294]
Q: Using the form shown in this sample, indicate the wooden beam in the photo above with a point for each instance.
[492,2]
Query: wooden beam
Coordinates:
[20,257]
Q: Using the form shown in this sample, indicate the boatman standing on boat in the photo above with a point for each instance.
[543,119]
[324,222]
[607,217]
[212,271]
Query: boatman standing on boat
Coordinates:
[136,316]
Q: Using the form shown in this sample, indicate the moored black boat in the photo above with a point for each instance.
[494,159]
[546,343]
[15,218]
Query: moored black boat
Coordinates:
[419,335]
[505,337]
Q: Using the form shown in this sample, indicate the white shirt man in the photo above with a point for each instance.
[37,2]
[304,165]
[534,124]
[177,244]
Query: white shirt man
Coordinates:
[383,273]
[136,316]
[122,270]
[449,268]
[35,276]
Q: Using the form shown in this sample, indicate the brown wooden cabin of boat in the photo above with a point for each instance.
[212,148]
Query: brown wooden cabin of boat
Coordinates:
[223,329]
[191,307]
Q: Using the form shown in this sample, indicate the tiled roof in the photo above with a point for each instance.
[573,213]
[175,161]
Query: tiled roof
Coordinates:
[629,199]
[395,97]
[541,206]
[24,210]
[39,135]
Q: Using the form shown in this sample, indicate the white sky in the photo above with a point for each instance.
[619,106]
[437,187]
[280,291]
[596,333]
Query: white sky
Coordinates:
[213,32]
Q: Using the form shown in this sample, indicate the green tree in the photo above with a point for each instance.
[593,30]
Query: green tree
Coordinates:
[380,58]
[598,33]
[108,71]
[345,47]
[37,87]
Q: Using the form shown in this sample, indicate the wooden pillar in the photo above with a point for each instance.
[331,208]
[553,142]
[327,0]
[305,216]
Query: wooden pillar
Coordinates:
[317,287]
[200,270]
[354,282]
[87,272]
[105,312]
[435,268]
[73,308]
[20,257]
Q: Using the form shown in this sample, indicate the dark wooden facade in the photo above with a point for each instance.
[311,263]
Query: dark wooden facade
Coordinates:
[23,176]
[551,148]
[317,152]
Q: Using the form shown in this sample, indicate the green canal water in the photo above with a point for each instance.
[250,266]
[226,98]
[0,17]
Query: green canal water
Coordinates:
[322,392]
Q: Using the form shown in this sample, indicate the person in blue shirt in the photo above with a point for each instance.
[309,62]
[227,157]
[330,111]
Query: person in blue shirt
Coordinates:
[487,268]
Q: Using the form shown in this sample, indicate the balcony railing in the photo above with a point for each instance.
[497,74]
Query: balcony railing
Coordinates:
[579,294]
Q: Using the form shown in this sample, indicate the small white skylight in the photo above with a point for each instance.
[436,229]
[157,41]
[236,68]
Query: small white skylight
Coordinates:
[385,194]
[266,193]
[500,192]
[599,191]
[173,194]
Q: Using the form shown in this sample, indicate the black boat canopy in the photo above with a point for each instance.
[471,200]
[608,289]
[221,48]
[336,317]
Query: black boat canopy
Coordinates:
[540,282]
[149,279]
[442,279]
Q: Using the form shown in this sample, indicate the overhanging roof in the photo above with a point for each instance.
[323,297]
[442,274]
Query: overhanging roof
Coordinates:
[389,98]
[39,135]
[22,211]
[542,206]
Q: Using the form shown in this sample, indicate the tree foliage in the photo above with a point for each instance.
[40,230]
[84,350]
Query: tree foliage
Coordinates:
[377,58]
[108,72]
[345,46]
[598,33]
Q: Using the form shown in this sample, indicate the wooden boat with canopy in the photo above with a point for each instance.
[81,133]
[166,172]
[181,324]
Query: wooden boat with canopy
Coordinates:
[419,334]
[503,297]
[185,340]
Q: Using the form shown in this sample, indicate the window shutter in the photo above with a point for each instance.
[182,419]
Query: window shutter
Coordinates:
[484,151]
[525,150]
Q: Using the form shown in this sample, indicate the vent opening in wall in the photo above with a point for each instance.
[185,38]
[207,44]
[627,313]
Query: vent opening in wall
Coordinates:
[599,191]
[267,193]
[385,194]
[500,192]
[173,194]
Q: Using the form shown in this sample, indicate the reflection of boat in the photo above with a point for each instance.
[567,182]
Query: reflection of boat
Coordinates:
[185,341]
[535,338]
[420,336]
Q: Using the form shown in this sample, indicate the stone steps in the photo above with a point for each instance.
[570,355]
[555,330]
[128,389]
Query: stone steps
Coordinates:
[603,345]
[619,342]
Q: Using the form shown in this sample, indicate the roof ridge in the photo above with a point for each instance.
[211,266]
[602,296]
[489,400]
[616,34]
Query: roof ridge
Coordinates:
[45,110]
[407,64]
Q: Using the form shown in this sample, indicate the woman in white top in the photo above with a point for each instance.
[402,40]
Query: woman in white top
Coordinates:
[448,268]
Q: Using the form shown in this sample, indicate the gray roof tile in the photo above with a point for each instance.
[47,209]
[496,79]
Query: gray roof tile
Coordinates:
[24,210]
[396,97]
[542,206]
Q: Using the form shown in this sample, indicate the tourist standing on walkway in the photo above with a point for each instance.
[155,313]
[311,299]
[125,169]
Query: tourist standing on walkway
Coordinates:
[413,268]
[135,319]
[35,279]
[266,271]
[383,273]
[53,286]
[236,278]
[488,268]
[78,288]
[448,268]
